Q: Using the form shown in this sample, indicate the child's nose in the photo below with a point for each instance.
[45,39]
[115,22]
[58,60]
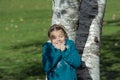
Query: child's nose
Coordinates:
[58,39]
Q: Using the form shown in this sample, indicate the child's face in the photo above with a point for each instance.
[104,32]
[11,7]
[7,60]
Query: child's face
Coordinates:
[57,37]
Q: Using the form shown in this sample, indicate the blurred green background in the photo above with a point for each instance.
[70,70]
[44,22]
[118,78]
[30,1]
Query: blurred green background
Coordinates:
[23,29]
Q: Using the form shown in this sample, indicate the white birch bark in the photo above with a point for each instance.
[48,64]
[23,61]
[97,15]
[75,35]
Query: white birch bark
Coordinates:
[66,12]
[88,38]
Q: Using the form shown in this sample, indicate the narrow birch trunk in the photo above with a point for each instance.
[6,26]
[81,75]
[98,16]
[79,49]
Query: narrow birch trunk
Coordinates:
[66,12]
[88,38]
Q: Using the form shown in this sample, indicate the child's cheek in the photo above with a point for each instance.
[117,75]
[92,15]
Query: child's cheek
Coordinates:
[63,42]
[54,42]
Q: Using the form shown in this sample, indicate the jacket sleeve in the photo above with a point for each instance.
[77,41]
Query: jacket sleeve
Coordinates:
[71,56]
[50,57]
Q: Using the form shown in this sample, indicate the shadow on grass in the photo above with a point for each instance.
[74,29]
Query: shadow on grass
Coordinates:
[110,62]
[34,70]
[28,69]
[28,47]
[30,72]
[112,22]
[27,44]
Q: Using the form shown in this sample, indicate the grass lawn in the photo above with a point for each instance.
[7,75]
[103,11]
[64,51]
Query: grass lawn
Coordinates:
[23,26]
[23,29]
[110,44]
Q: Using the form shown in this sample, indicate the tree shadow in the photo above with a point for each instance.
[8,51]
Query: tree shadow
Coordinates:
[112,22]
[31,68]
[110,62]
[28,47]
[88,11]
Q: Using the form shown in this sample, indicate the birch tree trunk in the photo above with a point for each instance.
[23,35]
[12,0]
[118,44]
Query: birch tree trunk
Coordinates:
[83,23]
[88,38]
[66,12]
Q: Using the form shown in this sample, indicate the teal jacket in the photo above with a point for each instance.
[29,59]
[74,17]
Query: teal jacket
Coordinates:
[60,65]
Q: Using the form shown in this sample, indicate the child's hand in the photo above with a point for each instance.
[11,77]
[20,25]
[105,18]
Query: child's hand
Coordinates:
[56,45]
[60,46]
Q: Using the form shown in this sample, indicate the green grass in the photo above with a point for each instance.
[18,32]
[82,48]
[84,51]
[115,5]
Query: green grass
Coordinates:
[110,44]
[23,28]
[112,8]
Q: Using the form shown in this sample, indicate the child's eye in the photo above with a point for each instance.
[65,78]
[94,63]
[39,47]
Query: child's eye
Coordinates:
[53,37]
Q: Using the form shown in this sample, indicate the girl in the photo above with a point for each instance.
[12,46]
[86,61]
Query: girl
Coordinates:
[60,57]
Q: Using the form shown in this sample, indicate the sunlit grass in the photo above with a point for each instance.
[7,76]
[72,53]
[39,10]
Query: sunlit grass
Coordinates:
[23,30]
[23,27]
